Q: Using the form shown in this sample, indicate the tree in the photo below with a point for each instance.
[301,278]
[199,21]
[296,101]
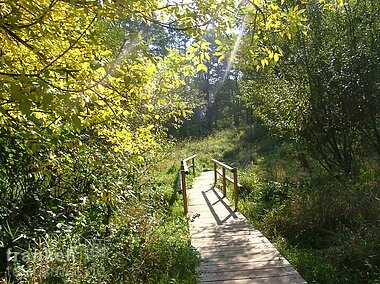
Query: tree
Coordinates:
[325,91]
[84,100]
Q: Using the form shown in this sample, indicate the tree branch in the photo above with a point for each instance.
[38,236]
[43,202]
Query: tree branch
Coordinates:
[70,47]
[23,42]
[39,19]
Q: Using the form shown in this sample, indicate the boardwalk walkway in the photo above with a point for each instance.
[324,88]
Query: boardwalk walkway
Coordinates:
[231,249]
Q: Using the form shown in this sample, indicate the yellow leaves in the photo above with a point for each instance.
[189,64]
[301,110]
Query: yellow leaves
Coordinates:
[264,62]
[161,102]
[201,67]
[270,52]
[149,107]
[267,30]
[105,53]
[271,55]
[276,57]
[221,57]
[222,49]
[328,4]
[151,69]
[197,53]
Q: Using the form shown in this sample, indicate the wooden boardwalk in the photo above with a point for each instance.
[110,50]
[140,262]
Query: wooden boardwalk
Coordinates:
[232,250]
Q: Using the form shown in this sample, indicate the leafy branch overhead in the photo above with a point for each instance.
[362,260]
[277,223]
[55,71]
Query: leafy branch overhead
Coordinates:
[67,64]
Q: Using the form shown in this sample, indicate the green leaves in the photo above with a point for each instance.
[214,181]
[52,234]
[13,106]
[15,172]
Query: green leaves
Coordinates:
[46,101]
[95,64]
[76,122]
[317,94]
[25,107]
[14,89]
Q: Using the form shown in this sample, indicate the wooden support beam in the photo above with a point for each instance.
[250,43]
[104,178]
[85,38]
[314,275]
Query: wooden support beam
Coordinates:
[184,191]
[224,181]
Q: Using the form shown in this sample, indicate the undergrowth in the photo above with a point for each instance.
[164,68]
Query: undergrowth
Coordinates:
[146,241]
[326,227]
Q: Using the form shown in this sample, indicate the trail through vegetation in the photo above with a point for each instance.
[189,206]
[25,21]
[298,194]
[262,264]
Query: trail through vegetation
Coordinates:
[325,227]
[101,99]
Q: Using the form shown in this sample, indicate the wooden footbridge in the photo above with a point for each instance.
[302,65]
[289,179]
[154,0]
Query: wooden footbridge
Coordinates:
[232,251]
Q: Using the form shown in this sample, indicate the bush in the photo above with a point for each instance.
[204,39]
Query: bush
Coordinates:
[326,226]
[140,250]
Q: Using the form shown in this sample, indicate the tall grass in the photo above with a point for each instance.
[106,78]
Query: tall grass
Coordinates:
[148,242]
[327,228]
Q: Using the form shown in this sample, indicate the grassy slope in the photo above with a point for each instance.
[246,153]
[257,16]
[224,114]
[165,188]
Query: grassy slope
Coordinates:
[327,229]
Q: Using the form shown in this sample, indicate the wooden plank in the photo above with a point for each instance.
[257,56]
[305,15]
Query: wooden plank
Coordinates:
[206,267]
[186,167]
[239,255]
[224,244]
[232,181]
[224,232]
[233,244]
[236,249]
[189,158]
[199,216]
[248,274]
[288,279]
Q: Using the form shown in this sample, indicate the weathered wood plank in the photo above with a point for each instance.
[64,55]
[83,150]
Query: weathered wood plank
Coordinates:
[212,267]
[281,279]
[248,274]
[230,258]
[231,249]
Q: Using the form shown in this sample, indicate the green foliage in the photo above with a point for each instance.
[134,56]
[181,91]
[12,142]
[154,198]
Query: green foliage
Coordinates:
[145,241]
[83,105]
[142,252]
[324,93]
[316,221]
[325,227]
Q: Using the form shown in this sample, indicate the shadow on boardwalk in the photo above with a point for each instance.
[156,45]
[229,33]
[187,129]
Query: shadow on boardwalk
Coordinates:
[232,250]
[220,200]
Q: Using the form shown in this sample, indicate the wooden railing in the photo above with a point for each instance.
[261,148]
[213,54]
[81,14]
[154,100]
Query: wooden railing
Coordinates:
[182,178]
[233,180]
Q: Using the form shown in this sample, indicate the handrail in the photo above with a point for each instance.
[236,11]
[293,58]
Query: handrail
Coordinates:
[233,180]
[223,165]
[185,166]
[182,181]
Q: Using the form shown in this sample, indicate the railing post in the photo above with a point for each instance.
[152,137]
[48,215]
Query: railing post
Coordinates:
[184,194]
[215,174]
[180,181]
[185,170]
[224,181]
[235,188]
